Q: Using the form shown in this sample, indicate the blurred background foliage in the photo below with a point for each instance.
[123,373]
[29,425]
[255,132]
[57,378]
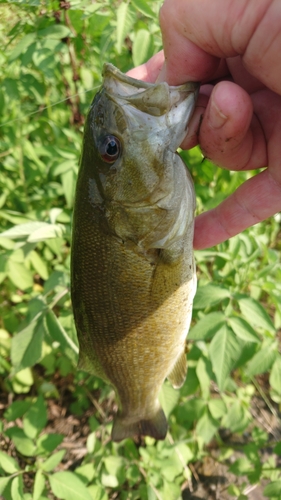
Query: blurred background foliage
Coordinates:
[228,412]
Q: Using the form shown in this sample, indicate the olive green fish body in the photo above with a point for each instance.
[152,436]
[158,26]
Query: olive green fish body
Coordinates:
[133,274]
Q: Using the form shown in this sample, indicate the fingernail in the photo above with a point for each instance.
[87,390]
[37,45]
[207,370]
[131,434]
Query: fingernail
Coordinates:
[216,116]
[162,75]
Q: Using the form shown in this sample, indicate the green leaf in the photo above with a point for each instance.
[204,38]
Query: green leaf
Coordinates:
[68,183]
[87,472]
[39,264]
[35,418]
[22,443]
[217,408]
[19,275]
[26,346]
[8,464]
[207,326]
[204,376]
[277,448]
[236,418]
[206,427]
[243,330]
[275,375]
[142,47]
[263,360]
[209,295]
[255,314]
[58,334]
[143,6]
[191,411]
[114,464]
[125,20]
[168,398]
[17,488]
[97,492]
[56,31]
[109,480]
[48,442]
[241,467]
[21,47]
[4,481]
[16,410]
[224,352]
[53,461]
[34,231]
[67,486]
[39,485]
[273,489]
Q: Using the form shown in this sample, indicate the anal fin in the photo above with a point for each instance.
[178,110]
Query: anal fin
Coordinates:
[178,373]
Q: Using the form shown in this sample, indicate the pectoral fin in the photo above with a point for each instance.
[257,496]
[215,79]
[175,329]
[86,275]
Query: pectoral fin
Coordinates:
[178,373]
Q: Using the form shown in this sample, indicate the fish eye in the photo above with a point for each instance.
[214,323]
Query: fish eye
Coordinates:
[110,149]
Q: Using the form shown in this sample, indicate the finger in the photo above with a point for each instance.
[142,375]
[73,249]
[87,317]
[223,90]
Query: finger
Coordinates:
[149,71]
[192,137]
[198,32]
[230,136]
[242,77]
[255,200]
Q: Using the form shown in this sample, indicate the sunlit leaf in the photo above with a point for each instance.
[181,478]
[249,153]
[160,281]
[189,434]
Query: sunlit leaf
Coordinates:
[8,464]
[27,345]
[263,360]
[17,488]
[59,334]
[255,313]
[142,47]
[168,398]
[275,375]
[144,7]
[35,418]
[206,327]
[39,485]
[243,329]
[55,31]
[19,275]
[206,426]
[4,481]
[273,489]
[209,295]
[224,351]
[22,443]
[34,231]
[125,19]
[67,486]
[53,461]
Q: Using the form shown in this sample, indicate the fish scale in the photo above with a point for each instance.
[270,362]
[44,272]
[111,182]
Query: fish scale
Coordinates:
[133,273]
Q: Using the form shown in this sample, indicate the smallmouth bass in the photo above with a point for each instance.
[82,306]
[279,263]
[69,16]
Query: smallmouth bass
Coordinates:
[133,271]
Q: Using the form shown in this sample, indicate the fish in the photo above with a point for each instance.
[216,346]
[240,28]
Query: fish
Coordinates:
[133,276]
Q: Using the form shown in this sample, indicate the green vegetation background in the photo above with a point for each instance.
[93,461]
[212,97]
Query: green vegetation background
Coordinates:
[51,59]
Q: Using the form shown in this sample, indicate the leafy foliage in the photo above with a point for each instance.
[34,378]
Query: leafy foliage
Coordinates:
[51,61]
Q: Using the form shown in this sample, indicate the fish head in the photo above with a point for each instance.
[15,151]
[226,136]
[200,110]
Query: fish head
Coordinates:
[131,127]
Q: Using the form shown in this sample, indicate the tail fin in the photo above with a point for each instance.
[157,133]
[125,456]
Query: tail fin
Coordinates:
[156,427]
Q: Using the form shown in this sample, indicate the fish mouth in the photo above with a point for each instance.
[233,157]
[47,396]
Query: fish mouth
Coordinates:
[170,106]
[111,72]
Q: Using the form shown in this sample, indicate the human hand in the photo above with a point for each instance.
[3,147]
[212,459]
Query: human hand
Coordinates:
[238,43]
